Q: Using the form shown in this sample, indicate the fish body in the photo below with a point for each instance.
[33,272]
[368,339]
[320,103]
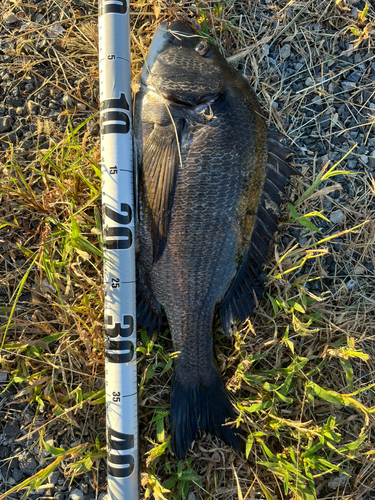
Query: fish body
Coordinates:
[202,151]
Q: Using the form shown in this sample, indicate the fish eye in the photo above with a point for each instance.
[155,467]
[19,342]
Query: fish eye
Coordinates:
[203,49]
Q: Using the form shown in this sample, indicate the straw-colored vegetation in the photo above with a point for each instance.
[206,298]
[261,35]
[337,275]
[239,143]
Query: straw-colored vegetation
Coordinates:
[300,373]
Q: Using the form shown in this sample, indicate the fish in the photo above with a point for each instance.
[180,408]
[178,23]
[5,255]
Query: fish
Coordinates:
[207,172]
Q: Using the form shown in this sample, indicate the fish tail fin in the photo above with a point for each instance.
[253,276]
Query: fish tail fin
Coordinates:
[205,406]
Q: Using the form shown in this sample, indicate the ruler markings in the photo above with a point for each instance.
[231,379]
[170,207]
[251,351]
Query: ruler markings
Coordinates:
[118,238]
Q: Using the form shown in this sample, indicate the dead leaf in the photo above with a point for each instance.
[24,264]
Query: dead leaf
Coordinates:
[325,191]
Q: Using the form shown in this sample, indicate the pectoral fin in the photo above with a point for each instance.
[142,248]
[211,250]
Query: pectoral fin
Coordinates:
[159,174]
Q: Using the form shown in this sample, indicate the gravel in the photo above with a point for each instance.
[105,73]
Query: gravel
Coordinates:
[54,477]
[17,475]
[76,495]
[337,217]
[5,124]
[338,482]
[285,51]
[11,18]
[11,431]
[348,85]
[27,463]
[371,160]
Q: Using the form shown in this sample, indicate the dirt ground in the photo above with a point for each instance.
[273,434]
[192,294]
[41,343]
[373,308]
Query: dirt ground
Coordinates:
[300,374]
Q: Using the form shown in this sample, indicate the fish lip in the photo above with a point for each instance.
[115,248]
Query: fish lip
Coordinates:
[188,104]
[175,101]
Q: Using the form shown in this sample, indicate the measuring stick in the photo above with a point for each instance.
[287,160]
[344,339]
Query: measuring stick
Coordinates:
[118,245]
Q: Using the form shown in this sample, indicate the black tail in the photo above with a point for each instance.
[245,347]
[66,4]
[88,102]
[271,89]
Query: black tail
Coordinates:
[201,406]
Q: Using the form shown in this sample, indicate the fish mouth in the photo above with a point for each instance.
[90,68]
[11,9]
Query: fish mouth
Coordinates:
[185,102]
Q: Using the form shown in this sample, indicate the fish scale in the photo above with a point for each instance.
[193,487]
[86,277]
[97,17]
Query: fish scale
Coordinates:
[197,213]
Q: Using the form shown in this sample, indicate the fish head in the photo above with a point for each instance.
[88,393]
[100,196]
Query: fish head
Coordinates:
[183,68]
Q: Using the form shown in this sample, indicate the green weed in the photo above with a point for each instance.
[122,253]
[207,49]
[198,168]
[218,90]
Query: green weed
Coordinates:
[58,192]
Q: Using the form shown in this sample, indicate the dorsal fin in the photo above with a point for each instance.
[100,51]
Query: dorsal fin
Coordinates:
[159,174]
[248,283]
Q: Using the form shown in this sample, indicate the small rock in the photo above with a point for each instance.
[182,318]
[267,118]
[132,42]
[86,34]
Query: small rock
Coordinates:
[12,138]
[95,129]
[17,475]
[19,111]
[325,121]
[317,101]
[371,160]
[11,480]
[285,51]
[38,18]
[76,495]
[5,124]
[11,18]
[59,495]
[32,107]
[81,106]
[27,463]
[355,76]
[327,204]
[66,99]
[338,482]
[63,487]
[11,430]
[29,87]
[53,477]
[350,285]
[369,266]
[12,113]
[103,496]
[347,86]
[84,487]
[42,95]
[337,216]
[15,92]
[309,82]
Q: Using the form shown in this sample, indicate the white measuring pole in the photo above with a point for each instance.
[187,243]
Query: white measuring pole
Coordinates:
[119,255]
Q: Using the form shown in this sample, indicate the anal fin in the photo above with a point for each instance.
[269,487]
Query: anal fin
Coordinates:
[149,312]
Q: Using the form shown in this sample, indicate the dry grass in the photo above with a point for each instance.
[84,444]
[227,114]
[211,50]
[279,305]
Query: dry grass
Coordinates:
[50,264]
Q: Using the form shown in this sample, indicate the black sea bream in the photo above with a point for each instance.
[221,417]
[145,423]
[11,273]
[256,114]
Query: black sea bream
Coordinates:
[203,230]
